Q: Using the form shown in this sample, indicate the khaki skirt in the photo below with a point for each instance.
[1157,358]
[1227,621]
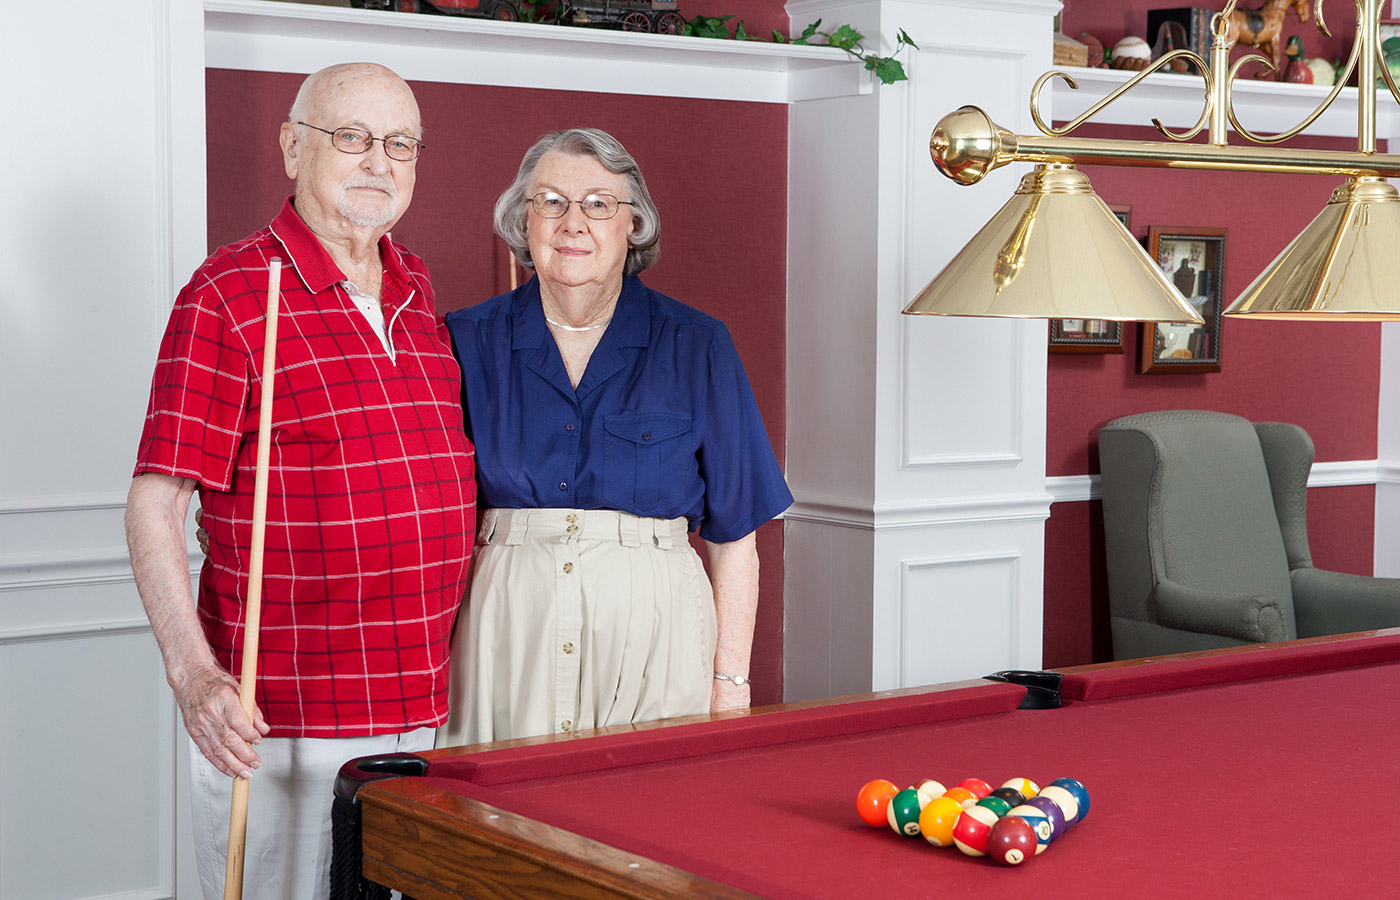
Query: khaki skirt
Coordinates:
[579,619]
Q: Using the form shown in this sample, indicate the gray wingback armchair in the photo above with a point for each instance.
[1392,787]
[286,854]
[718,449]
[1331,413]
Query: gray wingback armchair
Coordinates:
[1205,527]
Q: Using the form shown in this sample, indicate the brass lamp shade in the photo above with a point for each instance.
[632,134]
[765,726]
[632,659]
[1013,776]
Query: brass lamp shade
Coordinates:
[1344,266]
[1054,251]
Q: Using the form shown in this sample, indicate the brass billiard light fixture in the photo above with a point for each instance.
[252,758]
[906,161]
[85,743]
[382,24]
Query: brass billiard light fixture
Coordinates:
[1057,251]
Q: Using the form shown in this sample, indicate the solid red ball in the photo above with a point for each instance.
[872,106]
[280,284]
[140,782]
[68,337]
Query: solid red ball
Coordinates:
[977,786]
[873,800]
[1012,841]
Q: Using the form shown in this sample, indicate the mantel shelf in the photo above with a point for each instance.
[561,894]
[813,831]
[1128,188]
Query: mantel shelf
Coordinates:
[1266,107]
[264,35]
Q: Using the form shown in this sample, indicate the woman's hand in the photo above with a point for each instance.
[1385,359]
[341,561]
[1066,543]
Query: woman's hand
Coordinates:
[726,695]
[200,534]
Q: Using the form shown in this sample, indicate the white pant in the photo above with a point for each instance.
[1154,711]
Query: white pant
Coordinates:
[288,846]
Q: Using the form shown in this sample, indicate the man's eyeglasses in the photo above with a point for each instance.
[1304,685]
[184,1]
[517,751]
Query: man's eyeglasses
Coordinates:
[550,205]
[356,140]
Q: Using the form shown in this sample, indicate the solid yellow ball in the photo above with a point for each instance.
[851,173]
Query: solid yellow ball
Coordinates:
[937,820]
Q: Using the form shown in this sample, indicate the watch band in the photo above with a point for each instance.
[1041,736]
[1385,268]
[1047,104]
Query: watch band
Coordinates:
[739,680]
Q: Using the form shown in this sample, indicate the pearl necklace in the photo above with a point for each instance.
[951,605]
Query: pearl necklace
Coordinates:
[574,328]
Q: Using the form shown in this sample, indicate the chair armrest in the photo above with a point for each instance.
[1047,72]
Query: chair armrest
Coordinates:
[1335,603]
[1247,617]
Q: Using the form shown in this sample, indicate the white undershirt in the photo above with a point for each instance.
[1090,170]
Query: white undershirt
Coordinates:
[373,313]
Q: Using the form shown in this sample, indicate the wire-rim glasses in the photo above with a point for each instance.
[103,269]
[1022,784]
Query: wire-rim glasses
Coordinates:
[349,139]
[553,205]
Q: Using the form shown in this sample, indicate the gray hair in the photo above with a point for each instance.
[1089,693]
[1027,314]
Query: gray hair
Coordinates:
[511,216]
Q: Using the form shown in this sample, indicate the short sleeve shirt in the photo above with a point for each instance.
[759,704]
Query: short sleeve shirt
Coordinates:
[663,422]
[371,498]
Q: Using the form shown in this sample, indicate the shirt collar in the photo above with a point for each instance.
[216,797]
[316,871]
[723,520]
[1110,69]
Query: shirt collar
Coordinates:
[630,325]
[311,260]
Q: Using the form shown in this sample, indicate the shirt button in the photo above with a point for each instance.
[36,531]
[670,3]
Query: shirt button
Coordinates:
[566,725]
[568,567]
[563,485]
[569,426]
[569,648]
[646,435]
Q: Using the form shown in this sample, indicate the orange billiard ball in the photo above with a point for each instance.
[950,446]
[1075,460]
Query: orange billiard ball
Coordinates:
[873,800]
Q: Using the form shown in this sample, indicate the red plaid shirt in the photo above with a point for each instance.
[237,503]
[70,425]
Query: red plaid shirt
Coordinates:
[371,498]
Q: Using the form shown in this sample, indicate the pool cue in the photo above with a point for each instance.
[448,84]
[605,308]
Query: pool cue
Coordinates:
[247,682]
[513,282]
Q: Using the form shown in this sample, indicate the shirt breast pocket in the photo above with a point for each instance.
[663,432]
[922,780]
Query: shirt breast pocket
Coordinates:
[643,452]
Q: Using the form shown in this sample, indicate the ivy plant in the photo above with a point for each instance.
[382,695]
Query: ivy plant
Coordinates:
[886,68]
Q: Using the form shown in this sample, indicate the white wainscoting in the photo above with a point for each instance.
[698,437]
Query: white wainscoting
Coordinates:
[916,445]
[98,224]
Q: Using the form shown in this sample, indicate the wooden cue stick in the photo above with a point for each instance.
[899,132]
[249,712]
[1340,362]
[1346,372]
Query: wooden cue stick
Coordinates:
[247,682]
[513,282]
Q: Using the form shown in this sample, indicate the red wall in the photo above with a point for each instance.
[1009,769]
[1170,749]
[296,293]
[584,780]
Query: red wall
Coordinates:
[717,170]
[1324,377]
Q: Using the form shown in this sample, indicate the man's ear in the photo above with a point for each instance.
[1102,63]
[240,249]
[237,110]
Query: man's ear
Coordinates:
[287,137]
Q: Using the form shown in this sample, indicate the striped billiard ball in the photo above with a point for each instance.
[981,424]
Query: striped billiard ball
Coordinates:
[903,812]
[972,829]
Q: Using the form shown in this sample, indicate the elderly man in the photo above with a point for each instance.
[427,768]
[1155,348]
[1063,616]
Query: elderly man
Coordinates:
[371,507]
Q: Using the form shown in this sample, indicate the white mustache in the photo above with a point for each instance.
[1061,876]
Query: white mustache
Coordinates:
[370,181]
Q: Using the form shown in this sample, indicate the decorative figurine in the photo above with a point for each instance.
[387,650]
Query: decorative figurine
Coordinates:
[1172,36]
[657,16]
[1263,27]
[1322,71]
[1297,71]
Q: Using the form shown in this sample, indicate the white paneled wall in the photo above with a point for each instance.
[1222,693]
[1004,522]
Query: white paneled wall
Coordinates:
[916,446]
[91,752]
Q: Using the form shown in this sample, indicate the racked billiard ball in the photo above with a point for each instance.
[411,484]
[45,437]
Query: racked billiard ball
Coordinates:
[937,820]
[976,785]
[972,828]
[1036,818]
[873,800]
[963,796]
[995,804]
[1012,841]
[1027,787]
[1053,814]
[1012,796]
[928,789]
[1080,793]
[903,812]
[1065,801]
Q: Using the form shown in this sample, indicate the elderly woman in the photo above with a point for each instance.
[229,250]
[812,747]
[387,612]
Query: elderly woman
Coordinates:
[608,421]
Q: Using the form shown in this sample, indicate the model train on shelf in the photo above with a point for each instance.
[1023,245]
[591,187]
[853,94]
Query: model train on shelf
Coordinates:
[657,16]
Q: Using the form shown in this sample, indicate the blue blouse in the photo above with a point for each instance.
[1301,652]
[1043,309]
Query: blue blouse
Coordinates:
[663,422]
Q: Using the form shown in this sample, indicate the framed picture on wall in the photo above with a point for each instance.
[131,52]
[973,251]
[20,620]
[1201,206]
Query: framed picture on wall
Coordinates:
[1091,335]
[1194,260]
[1085,336]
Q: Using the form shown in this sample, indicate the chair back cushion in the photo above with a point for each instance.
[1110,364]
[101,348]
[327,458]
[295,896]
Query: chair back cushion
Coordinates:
[1187,497]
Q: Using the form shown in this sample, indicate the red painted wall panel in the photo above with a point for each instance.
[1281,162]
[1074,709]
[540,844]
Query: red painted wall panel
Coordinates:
[717,170]
[1322,376]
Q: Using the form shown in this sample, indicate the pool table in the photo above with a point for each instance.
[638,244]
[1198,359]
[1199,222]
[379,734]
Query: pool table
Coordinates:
[1258,771]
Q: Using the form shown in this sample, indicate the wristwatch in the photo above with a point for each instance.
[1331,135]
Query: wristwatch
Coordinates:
[738,680]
